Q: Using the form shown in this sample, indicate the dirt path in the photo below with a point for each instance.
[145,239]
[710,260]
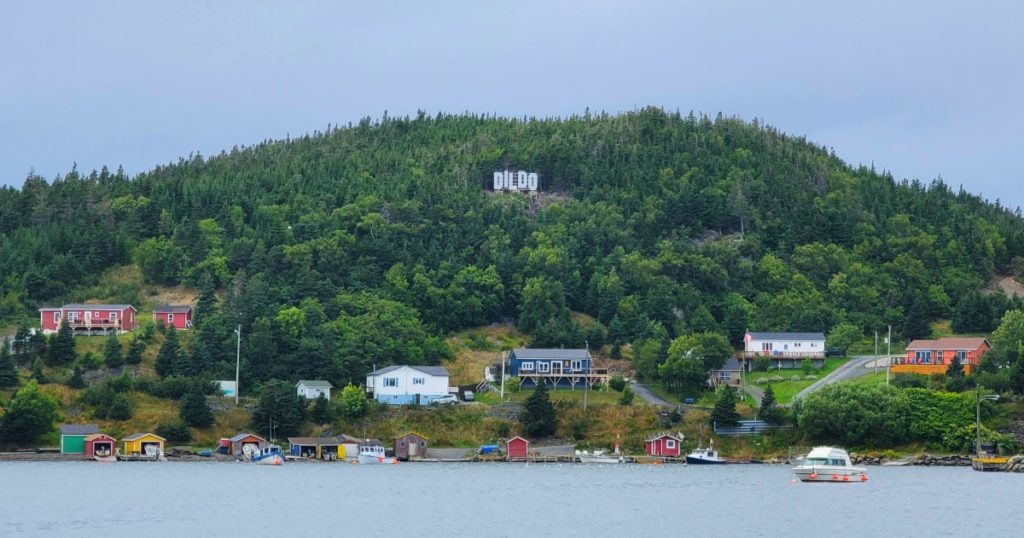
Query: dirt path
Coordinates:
[1009,286]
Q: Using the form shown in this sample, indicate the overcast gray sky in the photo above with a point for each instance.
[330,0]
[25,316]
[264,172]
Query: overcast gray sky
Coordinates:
[920,88]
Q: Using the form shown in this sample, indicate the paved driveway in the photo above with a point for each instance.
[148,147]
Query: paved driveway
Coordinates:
[647,395]
[855,367]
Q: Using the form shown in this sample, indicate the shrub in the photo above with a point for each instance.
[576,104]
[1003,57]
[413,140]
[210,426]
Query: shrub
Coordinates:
[909,380]
[762,364]
[120,407]
[806,366]
[877,416]
[627,397]
[195,410]
[761,380]
[617,383]
[175,432]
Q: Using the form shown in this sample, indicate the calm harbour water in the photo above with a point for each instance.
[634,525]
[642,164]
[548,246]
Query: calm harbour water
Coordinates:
[431,499]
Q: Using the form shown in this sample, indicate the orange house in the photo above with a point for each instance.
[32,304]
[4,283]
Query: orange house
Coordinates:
[934,356]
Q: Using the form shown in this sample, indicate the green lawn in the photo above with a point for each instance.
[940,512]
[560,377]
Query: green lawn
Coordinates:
[606,397]
[869,379]
[786,390]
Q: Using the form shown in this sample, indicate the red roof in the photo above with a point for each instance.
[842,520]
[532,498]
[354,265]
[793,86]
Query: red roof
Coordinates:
[947,344]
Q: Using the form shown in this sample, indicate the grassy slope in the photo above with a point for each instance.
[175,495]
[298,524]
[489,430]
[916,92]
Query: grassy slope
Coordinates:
[786,390]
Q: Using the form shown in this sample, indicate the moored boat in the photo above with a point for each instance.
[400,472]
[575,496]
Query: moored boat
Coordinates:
[268,455]
[705,456]
[829,464]
[374,454]
[597,456]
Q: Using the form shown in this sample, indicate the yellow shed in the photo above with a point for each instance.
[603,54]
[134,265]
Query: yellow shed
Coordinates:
[144,444]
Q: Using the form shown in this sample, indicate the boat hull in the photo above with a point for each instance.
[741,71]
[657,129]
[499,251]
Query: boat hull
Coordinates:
[831,474]
[270,460]
[693,460]
[367,459]
[600,459]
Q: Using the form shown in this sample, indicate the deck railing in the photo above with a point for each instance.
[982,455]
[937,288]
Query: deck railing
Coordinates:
[781,354]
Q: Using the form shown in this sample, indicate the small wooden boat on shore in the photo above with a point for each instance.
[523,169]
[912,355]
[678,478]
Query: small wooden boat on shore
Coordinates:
[829,464]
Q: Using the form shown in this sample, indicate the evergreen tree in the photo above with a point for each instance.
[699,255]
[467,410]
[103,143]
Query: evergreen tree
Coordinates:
[279,409]
[135,349]
[195,410]
[915,326]
[37,372]
[322,412]
[206,305]
[112,352]
[119,407]
[955,368]
[724,412]
[167,357]
[77,380]
[538,416]
[770,410]
[62,345]
[627,396]
[8,372]
[29,415]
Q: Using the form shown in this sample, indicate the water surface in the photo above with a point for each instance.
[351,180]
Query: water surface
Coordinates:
[489,500]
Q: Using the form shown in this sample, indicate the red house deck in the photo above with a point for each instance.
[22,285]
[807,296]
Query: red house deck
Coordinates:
[88,318]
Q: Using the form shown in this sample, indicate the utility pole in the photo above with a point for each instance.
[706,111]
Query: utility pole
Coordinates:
[238,361]
[875,362]
[888,354]
[501,394]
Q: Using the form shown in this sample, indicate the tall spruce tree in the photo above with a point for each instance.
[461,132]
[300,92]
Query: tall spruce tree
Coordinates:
[770,410]
[77,380]
[135,349]
[725,408]
[321,412]
[8,372]
[112,352]
[167,357]
[62,345]
[37,372]
[194,409]
[538,416]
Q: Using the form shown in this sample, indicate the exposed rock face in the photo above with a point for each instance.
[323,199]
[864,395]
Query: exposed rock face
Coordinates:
[1016,464]
[926,459]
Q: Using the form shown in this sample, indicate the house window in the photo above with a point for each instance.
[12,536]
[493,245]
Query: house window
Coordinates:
[796,344]
[72,316]
[962,355]
[419,381]
[96,314]
[923,357]
[390,381]
[766,346]
[670,443]
[724,376]
[526,366]
[577,366]
[113,316]
[814,344]
[543,367]
[170,318]
[56,317]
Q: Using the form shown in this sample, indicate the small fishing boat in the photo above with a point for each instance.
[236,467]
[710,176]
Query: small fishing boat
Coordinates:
[268,455]
[705,456]
[597,456]
[374,454]
[829,464]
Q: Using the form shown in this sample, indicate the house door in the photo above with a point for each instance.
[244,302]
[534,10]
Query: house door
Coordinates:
[414,448]
[88,317]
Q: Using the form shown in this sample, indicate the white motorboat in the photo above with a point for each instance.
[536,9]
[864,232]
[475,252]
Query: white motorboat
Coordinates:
[829,464]
[374,454]
[705,456]
[597,456]
[268,455]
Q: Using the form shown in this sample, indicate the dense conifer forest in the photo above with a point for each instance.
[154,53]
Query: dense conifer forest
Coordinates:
[367,244]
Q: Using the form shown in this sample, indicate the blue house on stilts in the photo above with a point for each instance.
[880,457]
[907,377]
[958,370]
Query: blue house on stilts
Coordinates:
[557,368]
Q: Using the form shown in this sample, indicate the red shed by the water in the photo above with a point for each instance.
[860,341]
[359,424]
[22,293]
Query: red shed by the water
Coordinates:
[177,316]
[100,445]
[88,319]
[517,448]
[663,444]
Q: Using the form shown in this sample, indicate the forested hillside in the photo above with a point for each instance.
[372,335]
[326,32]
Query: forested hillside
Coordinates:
[366,244]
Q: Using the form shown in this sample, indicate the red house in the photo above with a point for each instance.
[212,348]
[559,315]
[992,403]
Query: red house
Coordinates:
[89,319]
[663,444]
[100,445]
[517,448]
[177,316]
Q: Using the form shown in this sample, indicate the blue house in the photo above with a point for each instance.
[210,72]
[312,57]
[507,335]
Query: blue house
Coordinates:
[558,368]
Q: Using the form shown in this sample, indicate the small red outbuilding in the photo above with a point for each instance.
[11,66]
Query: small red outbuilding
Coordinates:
[663,444]
[177,316]
[100,445]
[517,448]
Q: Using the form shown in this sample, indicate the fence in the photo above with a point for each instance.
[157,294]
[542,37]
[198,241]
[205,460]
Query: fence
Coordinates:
[748,427]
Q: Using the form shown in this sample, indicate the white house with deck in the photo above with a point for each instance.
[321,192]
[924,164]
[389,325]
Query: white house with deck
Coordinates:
[405,384]
[785,350]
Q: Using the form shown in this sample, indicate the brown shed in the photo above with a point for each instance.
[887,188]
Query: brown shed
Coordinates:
[410,446]
[517,448]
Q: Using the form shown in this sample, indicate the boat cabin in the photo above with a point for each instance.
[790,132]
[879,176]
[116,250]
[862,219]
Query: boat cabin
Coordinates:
[100,445]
